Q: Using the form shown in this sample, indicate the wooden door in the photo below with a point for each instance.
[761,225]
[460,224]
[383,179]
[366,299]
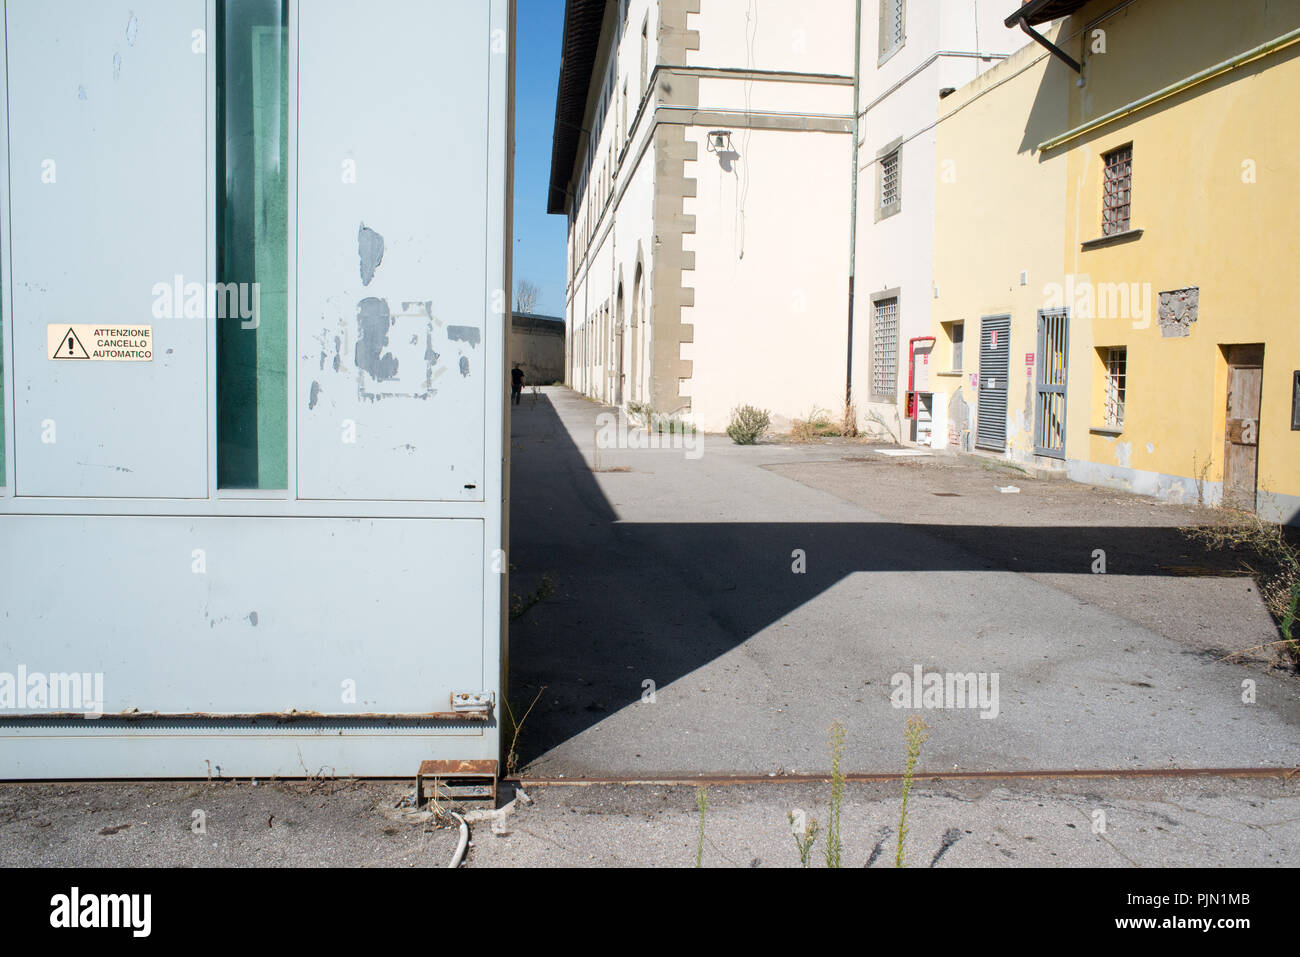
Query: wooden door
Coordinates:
[1241,430]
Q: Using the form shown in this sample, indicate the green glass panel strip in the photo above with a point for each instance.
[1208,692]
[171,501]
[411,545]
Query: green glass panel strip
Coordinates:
[252,244]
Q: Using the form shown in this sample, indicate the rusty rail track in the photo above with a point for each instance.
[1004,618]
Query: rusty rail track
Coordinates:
[722,780]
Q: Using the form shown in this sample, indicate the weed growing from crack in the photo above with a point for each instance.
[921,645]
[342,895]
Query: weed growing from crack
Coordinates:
[834,848]
[916,734]
[748,424]
[512,757]
[818,425]
[701,802]
[1272,558]
[805,836]
[522,606]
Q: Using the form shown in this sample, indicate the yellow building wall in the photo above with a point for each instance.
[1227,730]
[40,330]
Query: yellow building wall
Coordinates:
[1216,170]
[998,213]
[1216,193]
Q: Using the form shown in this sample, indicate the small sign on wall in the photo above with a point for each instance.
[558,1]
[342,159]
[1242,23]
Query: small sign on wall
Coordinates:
[87,343]
[1029,365]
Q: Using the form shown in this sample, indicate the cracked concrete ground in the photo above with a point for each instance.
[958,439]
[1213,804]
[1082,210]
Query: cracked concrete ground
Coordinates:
[1159,823]
[1164,822]
[226,824]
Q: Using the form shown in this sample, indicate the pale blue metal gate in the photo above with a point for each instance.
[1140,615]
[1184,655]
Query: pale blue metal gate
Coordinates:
[266,536]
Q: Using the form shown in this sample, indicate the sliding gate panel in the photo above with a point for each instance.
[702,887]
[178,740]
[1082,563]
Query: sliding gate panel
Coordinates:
[245,616]
[107,183]
[342,610]
[392,364]
[995,366]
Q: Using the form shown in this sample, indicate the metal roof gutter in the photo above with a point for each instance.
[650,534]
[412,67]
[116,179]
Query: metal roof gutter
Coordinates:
[1264,49]
[1052,48]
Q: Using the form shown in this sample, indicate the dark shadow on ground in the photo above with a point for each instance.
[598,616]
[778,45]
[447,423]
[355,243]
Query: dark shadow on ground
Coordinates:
[672,597]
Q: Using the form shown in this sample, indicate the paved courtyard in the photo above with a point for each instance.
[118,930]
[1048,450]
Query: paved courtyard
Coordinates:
[680,637]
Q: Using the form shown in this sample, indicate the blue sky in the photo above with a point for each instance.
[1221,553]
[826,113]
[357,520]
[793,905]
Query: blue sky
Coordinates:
[539,238]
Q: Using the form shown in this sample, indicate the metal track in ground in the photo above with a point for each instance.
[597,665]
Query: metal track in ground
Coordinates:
[1282,774]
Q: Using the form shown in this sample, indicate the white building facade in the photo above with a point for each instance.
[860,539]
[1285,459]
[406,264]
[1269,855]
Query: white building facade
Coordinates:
[704,156]
[912,52]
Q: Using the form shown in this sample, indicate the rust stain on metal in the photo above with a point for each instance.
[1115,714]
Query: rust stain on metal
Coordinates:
[430,769]
[457,780]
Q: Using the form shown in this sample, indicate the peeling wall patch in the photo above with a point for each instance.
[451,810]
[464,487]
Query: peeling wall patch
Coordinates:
[132,29]
[373,322]
[370,248]
[1177,310]
[469,334]
[314,396]
[464,366]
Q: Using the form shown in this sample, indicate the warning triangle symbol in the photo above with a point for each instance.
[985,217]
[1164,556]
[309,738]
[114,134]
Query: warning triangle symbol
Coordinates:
[70,347]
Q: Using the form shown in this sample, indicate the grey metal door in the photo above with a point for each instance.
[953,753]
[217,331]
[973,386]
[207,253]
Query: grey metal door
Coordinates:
[995,366]
[1053,367]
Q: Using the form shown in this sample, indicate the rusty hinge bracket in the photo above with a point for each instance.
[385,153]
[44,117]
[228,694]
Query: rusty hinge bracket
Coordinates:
[463,702]
[456,781]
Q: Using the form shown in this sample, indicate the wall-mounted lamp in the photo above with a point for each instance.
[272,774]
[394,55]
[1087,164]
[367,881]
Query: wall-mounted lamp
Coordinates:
[719,141]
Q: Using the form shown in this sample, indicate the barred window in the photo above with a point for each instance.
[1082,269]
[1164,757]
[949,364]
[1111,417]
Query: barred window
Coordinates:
[889,193]
[1117,191]
[893,17]
[1116,386]
[884,349]
[958,345]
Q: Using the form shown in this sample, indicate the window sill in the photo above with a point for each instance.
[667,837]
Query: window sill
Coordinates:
[1113,239]
[951,372]
[885,212]
[1106,430]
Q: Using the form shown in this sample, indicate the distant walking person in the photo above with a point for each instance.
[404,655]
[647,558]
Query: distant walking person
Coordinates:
[516,384]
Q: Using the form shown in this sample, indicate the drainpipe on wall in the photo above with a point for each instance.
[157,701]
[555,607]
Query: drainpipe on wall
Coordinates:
[853,198]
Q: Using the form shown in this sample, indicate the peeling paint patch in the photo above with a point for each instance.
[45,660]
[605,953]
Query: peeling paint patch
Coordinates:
[1151,448]
[117,65]
[81,93]
[469,334]
[464,366]
[314,396]
[1124,454]
[370,249]
[1177,310]
[958,421]
[252,618]
[373,323]
[132,30]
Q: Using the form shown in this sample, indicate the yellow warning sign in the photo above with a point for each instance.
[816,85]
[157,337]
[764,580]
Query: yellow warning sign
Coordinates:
[100,343]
